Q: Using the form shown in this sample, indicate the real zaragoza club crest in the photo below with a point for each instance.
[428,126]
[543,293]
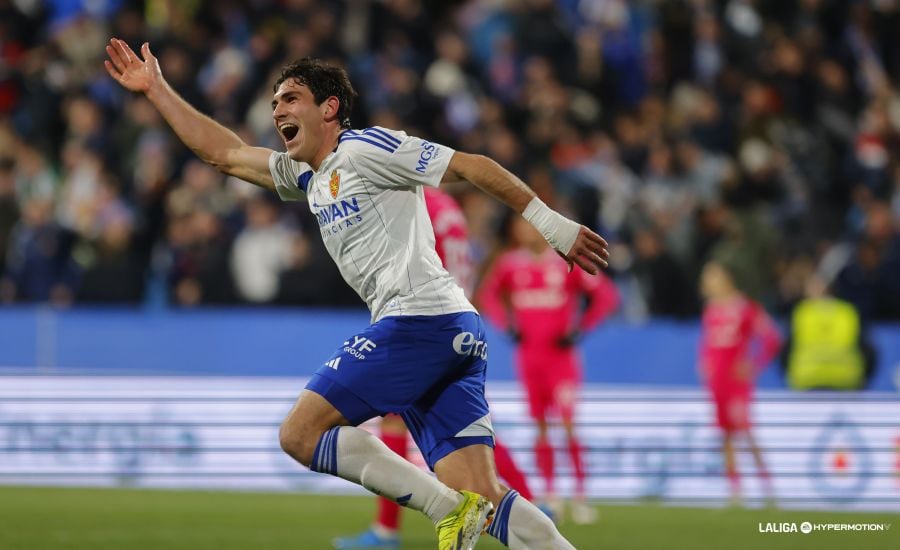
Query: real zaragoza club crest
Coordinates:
[334,184]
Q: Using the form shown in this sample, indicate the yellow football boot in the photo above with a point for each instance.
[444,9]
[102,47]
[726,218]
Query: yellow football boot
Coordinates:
[462,527]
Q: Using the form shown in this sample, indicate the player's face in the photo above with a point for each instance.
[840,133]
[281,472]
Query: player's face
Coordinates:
[714,281]
[298,119]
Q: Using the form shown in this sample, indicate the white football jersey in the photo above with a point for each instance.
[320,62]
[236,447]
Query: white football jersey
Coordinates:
[367,197]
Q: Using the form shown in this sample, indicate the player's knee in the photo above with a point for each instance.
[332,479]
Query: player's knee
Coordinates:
[298,443]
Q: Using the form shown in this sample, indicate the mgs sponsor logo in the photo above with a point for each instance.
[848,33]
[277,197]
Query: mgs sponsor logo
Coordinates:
[465,343]
[425,156]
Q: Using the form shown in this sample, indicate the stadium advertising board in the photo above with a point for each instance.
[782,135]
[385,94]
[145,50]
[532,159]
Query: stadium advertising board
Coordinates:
[824,450]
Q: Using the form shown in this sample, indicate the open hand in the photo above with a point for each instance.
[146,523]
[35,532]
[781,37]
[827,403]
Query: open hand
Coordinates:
[129,70]
[590,252]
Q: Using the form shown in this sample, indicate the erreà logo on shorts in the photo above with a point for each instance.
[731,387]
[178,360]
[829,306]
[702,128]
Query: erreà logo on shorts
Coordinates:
[465,343]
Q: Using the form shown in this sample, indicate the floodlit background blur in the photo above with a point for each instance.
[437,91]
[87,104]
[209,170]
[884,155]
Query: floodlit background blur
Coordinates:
[764,134]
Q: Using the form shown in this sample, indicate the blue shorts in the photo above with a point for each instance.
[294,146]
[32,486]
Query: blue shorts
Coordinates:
[428,369]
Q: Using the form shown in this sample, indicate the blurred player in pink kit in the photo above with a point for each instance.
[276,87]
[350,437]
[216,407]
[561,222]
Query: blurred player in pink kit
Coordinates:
[739,339]
[452,245]
[530,293]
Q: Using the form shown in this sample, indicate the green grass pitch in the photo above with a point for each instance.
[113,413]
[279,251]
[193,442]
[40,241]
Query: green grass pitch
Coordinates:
[116,519]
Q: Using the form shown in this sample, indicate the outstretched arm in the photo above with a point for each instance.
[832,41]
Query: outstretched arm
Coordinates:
[575,243]
[212,142]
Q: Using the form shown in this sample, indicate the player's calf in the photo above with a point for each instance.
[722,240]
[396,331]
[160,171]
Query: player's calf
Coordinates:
[489,489]
[472,469]
[298,444]
[516,523]
[304,426]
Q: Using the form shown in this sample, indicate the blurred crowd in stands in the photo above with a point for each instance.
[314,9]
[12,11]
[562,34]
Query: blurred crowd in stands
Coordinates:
[761,133]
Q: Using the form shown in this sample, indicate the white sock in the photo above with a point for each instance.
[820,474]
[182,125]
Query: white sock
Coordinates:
[520,525]
[358,456]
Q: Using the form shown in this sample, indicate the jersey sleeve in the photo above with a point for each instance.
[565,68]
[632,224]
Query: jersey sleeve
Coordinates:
[393,159]
[291,177]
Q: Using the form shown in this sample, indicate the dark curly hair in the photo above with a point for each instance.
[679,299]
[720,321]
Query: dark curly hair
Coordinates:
[324,81]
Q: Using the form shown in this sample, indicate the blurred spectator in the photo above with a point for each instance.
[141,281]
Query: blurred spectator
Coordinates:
[35,178]
[111,273]
[666,289]
[199,250]
[871,279]
[747,243]
[201,188]
[828,348]
[39,267]
[261,251]
[312,279]
[80,188]
[9,207]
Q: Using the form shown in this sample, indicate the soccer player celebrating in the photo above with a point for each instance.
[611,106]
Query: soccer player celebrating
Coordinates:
[732,323]
[451,242]
[424,356]
[531,294]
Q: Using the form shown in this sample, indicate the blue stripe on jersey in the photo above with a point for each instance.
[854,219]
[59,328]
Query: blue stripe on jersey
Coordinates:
[346,134]
[378,132]
[303,180]
[380,137]
[379,144]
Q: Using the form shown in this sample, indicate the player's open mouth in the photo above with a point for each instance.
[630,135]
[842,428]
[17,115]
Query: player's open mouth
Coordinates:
[289,131]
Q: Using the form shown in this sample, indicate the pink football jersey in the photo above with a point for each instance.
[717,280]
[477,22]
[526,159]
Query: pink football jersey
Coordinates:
[543,297]
[729,332]
[451,238]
